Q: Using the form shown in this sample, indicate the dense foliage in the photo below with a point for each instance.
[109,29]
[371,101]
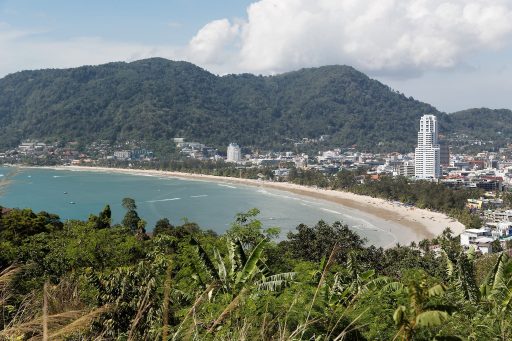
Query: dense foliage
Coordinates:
[155,100]
[80,280]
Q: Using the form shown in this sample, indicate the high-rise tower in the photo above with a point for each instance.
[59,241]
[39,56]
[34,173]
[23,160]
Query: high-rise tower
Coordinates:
[427,163]
[234,153]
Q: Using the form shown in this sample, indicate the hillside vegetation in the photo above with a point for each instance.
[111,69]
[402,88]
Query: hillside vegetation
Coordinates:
[483,123]
[91,280]
[157,99]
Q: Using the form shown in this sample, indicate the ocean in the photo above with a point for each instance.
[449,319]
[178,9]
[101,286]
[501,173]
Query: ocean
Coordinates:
[212,205]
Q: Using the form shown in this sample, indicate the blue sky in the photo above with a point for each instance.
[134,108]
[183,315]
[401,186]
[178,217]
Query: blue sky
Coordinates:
[173,21]
[454,54]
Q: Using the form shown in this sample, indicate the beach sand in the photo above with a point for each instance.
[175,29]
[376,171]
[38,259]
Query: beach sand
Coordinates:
[424,223]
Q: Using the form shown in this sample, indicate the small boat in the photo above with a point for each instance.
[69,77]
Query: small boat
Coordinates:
[65,192]
[72,202]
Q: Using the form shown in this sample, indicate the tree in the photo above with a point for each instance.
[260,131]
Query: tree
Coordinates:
[131,218]
[141,230]
[496,294]
[496,246]
[132,294]
[249,230]
[163,226]
[18,224]
[129,204]
[345,179]
[314,243]
[103,220]
[507,199]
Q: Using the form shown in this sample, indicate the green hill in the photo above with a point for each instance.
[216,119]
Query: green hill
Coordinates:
[157,99]
[483,123]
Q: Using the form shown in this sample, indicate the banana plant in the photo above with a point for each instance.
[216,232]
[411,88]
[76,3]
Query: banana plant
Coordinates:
[243,275]
[419,312]
[461,274]
[241,270]
[349,284]
[496,293]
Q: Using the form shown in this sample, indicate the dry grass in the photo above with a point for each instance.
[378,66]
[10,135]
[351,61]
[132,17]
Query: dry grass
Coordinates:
[191,312]
[6,277]
[334,252]
[45,311]
[143,305]
[229,308]
[27,310]
[64,296]
[34,328]
[62,310]
[80,324]
[59,325]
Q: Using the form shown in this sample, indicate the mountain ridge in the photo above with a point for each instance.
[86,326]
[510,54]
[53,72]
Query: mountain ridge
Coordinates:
[157,99]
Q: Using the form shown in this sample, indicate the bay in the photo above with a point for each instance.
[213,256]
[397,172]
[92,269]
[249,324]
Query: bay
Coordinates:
[212,205]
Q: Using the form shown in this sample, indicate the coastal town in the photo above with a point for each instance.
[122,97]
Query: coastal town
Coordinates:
[256,170]
[433,160]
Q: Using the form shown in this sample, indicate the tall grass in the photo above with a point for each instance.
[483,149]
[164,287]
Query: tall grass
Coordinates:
[165,303]
[45,312]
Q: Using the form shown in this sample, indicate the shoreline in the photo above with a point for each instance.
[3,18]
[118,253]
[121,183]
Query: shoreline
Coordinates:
[424,223]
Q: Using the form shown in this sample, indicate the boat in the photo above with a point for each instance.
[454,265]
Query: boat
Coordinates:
[72,202]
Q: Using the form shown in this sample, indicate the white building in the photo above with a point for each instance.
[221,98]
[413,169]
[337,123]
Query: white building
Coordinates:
[480,239]
[234,153]
[427,158]
[407,169]
[122,154]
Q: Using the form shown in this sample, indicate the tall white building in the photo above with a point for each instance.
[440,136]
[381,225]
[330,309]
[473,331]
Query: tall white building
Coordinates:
[427,157]
[234,153]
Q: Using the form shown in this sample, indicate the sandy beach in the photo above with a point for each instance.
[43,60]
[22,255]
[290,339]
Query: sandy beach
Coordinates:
[425,223]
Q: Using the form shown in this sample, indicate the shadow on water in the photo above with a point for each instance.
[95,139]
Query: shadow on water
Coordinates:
[7,179]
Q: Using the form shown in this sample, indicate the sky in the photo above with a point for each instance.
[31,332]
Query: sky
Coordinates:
[453,54]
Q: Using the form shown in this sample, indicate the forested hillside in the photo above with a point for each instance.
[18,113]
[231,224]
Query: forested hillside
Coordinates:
[156,99]
[483,123]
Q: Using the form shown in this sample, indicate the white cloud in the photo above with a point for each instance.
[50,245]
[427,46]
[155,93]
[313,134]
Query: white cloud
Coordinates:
[392,38]
[211,43]
[377,36]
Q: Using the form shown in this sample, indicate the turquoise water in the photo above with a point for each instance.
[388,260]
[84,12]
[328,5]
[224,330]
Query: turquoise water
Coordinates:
[213,205]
